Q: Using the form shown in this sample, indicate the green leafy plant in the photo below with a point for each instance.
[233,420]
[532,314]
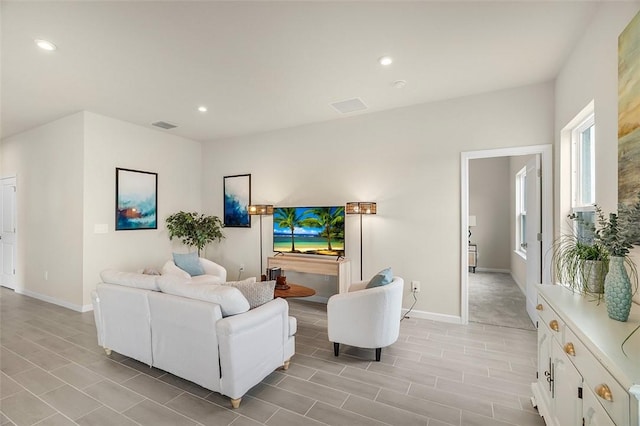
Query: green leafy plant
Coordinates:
[194,229]
[580,265]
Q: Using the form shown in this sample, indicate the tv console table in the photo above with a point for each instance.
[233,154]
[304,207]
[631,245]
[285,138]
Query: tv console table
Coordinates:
[315,265]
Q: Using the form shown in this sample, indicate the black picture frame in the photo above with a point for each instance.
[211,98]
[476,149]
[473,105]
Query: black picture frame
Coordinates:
[136,200]
[236,200]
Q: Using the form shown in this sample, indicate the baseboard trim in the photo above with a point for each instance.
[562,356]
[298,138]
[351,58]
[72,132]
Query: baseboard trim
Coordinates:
[502,271]
[49,299]
[452,319]
[519,284]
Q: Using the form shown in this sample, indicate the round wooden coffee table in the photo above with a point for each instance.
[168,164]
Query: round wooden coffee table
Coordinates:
[295,290]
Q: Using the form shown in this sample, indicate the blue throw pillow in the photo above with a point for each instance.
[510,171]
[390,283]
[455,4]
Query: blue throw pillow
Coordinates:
[383,277]
[188,262]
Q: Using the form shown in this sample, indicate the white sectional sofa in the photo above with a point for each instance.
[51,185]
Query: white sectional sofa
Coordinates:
[204,333]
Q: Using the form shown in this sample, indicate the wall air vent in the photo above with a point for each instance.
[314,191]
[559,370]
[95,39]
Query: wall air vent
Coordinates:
[350,105]
[163,125]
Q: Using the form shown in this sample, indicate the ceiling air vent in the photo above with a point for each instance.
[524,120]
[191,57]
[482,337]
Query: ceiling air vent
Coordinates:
[164,125]
[350,105]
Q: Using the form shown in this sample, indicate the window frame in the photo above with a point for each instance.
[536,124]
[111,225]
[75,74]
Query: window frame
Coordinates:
[578,205]
[521,212]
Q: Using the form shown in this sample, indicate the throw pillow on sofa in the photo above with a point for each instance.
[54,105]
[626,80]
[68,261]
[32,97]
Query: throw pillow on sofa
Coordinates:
[256,293]
[189,262]
[383,277]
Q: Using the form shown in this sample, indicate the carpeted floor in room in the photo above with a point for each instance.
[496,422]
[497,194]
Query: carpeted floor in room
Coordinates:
[496,299]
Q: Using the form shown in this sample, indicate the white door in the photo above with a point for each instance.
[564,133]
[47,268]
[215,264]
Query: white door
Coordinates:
[533,233]
[8,233]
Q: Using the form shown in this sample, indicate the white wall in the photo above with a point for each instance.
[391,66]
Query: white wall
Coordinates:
[66,184]
[47,162]
[591,73]
[489,201]
[111,143]
[407,160]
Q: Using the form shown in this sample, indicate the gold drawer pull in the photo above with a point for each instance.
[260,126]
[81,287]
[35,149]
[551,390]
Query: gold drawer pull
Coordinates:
[604,392]
[568,348]
[540,307]
[554,325]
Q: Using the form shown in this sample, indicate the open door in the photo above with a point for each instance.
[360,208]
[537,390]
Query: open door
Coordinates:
[533,234]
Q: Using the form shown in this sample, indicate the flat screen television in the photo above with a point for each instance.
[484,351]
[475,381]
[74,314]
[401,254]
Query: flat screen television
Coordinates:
[309,230]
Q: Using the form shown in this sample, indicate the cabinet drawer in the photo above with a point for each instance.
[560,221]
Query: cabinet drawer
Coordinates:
[547,315]
[595,376]
[593,413]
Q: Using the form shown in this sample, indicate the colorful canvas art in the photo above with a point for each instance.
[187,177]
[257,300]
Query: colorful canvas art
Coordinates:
[629,112]
[136,200]
[237,197]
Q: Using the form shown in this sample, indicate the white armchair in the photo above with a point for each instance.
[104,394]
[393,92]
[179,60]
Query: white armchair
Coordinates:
[213,273]
[366,317]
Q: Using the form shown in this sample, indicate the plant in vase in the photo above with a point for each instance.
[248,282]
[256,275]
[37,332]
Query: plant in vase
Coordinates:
[617,233]
[580,264]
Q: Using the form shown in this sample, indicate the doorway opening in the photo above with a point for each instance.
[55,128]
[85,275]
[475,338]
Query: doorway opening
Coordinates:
[539,241]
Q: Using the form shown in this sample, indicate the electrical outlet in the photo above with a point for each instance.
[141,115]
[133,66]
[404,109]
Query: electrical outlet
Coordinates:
[415,286]
[242,267]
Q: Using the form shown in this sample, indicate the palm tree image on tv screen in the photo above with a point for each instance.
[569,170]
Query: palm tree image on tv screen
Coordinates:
[309,230]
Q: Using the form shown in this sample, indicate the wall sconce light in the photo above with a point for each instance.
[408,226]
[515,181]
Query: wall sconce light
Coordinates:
[361,209]
[261,210]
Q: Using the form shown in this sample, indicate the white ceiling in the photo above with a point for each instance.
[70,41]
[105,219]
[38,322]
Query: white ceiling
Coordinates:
[264,65]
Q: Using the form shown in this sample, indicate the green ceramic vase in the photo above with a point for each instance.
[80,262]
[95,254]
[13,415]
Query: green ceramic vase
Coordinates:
[617,290]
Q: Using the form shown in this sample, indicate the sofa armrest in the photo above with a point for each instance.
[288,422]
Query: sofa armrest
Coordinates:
[170,268]
[252,345]
[212,268]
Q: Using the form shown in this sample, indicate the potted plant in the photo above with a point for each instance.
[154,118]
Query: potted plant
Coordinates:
[580,264]
[194,229]
[617,233]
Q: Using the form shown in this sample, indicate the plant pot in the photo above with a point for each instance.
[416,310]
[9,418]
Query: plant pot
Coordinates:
[594,274]
[617,290]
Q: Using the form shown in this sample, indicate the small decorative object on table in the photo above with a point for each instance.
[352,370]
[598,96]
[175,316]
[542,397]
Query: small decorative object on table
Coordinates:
[281,283]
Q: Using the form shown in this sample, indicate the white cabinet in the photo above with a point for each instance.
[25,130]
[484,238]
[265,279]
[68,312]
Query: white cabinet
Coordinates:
[584,377]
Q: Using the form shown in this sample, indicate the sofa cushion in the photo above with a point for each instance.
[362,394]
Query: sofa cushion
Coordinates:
[230,299]
[130,279]
[189,262]
[257,293]
[383,277]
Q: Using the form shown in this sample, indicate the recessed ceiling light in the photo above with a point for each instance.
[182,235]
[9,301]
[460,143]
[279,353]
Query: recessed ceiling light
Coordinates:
[45,45]
[202,108]
[399,84]
[385,60]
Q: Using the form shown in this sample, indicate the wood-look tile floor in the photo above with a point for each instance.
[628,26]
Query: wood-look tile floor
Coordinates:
[436,374]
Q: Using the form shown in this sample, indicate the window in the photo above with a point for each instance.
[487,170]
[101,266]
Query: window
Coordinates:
[521,212]
[583,177]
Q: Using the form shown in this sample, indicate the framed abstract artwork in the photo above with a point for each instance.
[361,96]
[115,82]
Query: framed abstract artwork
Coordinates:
[237,197]
[136,200]
[629,112]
